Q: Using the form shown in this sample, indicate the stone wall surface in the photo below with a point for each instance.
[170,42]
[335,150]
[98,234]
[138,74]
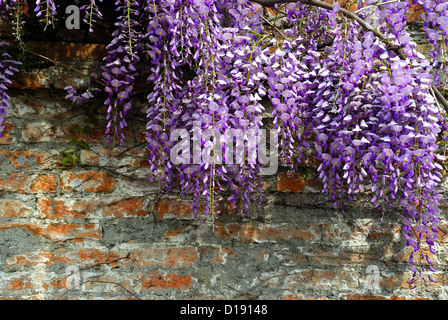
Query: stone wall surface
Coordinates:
[98,229]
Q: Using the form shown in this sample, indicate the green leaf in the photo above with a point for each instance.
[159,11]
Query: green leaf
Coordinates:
[83,145]
[71,159]
[307,176]
[74,129]
[68,151]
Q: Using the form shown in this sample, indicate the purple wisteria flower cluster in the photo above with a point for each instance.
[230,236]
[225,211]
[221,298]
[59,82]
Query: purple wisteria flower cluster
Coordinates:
[364,103]
[92,13]
[119,71]
[436,27]
[88,91]
[8,67]
[224,92]
[46,11]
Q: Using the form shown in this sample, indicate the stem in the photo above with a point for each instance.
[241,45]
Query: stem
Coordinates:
[128,9]
[375,5]
[91,14]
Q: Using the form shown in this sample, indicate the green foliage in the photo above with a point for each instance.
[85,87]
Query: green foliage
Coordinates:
[71,155]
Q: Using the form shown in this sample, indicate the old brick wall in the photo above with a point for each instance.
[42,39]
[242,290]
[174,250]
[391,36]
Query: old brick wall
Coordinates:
[102,220]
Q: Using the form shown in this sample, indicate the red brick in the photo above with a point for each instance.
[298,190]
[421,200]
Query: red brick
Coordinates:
[291,183]
[57,78]
[215,254]
[87,181]
[23,183]
[248,232]
[20,159]
[177,208]
[22,283]
[183,256]
[157,281]
[68,51]
[163,257]
[33,79]
[59,232]
[92,256]
[126,207]
[42,131]
[73,231]
[13,209]
[414,13]
[31,259]
[44,183]
[60,208]
[16,182]
[58,282]
[7,135]
[323,279]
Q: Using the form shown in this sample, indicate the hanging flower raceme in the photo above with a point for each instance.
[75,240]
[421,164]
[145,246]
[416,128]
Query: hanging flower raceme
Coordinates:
[8,67]
[46,11]
[376,132]
[92,13]
[119,71]
[88,91]
[220,97]
[435,19]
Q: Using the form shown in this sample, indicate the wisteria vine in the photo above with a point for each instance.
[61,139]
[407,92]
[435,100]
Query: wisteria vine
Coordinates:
[350,86]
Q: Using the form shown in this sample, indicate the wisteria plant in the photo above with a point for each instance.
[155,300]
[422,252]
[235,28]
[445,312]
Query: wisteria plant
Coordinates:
[346,82]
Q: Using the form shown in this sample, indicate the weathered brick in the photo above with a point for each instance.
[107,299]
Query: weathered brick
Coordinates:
[35,106]
[321,279]
[55,77]
[54,209]
[292,183]
[23,183]
[7,135]
[215,254]
[22,159]
[44,183]
[43,131]
[32,259]
[59,283]
[93,256]
[373,297]
[163,257]
[157,281]
[87,181]
[21,283]
[14,209]
[62,207]
[59,232]
[137,206]
[69,51]
[248,232]
[173,208]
